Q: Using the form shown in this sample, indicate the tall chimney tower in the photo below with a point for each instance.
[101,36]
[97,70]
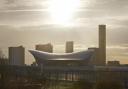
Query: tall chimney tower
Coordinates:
[102,44]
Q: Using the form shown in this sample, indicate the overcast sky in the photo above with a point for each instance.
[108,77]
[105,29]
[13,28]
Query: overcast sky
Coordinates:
[27,22]
[28,12]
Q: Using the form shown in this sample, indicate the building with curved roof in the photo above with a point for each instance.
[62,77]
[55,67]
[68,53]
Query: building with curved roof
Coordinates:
[65,59]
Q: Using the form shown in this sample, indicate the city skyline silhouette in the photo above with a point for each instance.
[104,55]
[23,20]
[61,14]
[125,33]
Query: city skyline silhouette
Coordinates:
[28,23]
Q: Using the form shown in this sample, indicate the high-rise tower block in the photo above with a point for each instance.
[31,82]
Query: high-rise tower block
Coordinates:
[102,44]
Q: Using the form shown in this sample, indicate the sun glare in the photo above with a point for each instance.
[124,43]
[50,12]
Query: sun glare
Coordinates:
[62,11]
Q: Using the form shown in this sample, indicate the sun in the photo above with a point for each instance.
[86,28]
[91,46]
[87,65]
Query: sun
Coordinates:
[62,11]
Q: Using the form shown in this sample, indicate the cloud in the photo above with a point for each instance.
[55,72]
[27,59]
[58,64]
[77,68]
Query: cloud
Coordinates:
[91,12]
[94,12]
[23,4]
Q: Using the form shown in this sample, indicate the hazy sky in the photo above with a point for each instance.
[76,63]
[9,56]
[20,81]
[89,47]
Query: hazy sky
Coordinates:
[29,12]
[28,22]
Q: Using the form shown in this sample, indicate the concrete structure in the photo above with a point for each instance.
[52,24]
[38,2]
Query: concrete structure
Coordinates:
[102,44]
[69,46]
[45,47]
[17,55]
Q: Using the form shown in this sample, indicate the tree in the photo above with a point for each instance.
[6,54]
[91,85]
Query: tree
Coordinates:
[1,54]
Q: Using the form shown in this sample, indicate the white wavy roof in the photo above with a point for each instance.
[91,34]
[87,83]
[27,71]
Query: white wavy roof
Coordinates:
[83,55]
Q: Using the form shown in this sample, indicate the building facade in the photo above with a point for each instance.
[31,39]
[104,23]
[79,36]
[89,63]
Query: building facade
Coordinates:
[45,47]
[17,56]
[69,46]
